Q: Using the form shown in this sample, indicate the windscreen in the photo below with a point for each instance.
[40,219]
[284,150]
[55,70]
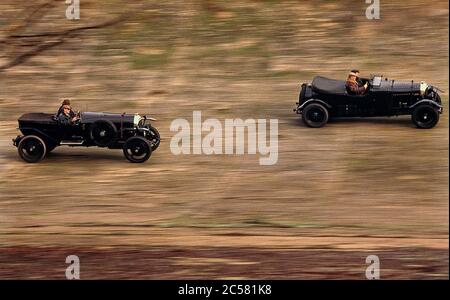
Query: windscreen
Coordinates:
[376,81]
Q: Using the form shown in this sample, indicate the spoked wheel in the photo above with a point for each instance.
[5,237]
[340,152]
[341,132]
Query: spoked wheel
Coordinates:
[32,149]
[315,115]
[137,149]
[154,138]
[425,116]
[103,133]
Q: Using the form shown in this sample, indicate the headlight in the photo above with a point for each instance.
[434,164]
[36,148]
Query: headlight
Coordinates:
[137,119]
[423,87]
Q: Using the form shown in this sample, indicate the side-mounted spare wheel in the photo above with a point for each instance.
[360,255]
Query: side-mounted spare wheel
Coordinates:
[425,116]
[137,149]
[103,133]
[32,149]
[315,115]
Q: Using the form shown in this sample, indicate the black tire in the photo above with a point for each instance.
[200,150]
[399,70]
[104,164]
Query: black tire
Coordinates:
[315,115]
[425,116]
[32,149]
[154,138]
[103,133]
[137,149]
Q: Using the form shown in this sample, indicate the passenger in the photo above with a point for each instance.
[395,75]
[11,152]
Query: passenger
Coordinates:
[352,85]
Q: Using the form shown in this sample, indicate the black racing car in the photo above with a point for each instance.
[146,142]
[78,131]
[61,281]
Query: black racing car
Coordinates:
[325,98]
[44,132]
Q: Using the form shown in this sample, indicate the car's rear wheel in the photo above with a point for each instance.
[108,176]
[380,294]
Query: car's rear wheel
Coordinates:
[154,138]
[103,133]
[315,115]
[32,149]
[137,149]
[425,116]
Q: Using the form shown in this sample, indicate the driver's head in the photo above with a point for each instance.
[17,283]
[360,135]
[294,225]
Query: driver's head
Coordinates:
[65,102]
[356,72]
[66,109]
[352,76]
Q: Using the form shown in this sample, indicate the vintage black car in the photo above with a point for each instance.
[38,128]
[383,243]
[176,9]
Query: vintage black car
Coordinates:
[326,98]
[44,132]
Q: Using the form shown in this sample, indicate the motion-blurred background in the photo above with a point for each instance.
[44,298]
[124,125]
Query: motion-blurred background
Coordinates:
[356,187]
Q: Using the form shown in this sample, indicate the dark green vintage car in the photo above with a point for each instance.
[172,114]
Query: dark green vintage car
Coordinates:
[325,98]
[43,132]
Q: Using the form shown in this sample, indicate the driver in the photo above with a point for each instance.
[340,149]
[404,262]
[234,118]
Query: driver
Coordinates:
[359,80]
[67,115]
[352,85]
[60,110]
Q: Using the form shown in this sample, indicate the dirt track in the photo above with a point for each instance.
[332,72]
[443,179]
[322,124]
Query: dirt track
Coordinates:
[221,263]
[236,209]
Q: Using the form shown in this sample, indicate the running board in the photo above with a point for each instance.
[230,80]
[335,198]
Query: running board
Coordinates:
[72,143]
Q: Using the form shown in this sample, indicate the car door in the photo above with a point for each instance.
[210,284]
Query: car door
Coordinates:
[355,105]
[384,104]
[71,132]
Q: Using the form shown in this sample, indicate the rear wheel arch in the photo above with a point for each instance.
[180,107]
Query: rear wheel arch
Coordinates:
[323,103]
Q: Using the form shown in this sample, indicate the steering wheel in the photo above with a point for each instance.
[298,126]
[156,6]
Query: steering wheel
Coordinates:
[78,120]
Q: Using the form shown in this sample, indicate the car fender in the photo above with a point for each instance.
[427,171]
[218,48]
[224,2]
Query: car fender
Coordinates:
[17,140]
[427,101]
[300,108]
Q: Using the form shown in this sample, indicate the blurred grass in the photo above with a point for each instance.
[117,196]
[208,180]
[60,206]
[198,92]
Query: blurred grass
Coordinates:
[144,61]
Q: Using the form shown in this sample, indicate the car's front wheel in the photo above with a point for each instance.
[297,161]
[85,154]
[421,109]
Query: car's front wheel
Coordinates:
[425,116]
[32,149]
[137,149]
[315,115]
